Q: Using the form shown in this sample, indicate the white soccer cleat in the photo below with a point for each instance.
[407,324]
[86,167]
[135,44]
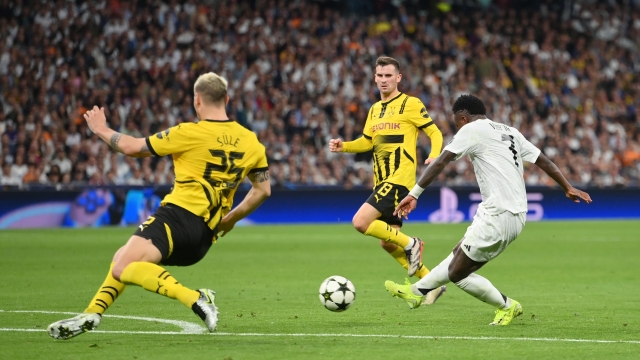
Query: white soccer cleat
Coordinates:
[79,324]
[206,309]
[414,256]
[434,295]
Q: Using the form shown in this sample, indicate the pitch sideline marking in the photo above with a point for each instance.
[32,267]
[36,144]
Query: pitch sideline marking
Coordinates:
[194,329]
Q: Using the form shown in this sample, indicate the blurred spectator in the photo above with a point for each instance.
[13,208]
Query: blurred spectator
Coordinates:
[565,73]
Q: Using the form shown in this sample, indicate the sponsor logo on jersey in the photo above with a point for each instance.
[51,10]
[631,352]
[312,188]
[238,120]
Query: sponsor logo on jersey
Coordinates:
[424,112]
[385,126]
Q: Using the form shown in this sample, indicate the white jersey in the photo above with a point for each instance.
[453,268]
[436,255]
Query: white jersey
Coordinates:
[497,152]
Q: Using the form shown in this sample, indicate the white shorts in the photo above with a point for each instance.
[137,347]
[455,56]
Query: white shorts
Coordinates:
[488,235]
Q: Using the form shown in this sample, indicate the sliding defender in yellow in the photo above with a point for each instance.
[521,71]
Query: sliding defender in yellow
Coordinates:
[391,131]
[211,157]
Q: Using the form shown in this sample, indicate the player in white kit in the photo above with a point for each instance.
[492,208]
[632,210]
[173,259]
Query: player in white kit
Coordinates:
[497,152]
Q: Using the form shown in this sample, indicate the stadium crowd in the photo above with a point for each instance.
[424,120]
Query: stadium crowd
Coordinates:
[565,73]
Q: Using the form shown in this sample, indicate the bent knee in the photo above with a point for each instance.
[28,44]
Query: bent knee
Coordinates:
[117,270]
[360,224]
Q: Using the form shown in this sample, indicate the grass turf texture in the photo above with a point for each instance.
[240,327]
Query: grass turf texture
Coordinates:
[576,280]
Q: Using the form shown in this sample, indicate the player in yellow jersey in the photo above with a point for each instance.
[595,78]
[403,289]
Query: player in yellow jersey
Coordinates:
[391,130]
[211,157]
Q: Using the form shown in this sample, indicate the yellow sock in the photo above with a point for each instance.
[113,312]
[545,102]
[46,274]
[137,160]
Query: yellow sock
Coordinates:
[158,280]
[385,232]
[422,271]
[106,295]
[399,255]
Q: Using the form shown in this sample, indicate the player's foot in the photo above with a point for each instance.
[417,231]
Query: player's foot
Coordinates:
[414,256]
[505,316]
[434,295]
[79,324]
[206,309]
[404,292]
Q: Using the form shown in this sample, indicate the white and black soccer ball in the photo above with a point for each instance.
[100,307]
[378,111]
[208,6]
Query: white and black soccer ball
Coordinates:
[337,293]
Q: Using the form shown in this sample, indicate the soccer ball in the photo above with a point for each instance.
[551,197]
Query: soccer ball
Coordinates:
[337,293]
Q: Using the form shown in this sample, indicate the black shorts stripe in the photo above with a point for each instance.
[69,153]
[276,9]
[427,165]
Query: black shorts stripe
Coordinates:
[384,199]
[150,147]
[426,125]
[404,102]
[185,181]
[189,240]
[407,155]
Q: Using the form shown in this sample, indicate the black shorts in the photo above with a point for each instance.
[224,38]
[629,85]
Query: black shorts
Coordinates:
[182,237]
[385,198]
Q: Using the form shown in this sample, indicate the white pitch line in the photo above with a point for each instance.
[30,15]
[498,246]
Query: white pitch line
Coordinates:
[189,328]
[418,337]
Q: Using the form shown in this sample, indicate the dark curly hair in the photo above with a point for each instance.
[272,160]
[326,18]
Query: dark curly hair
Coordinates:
[470,103]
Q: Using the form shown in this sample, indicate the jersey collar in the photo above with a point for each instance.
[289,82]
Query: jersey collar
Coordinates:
[211,120]
[388,101]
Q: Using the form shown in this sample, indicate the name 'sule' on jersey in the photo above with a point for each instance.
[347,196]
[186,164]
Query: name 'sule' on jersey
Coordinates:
[497,152]
[393,128]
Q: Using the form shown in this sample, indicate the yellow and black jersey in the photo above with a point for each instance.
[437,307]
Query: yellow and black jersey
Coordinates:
[211,158]
[392,131]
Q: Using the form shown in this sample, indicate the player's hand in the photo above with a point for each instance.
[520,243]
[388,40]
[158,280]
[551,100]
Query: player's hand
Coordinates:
[405,207]
[576,195]
[335,145]
[225,226]
[96,119]
[429,161]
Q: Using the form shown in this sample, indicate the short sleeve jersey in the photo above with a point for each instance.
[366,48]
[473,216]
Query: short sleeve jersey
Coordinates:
[393,126]
[497,152]
[211,158]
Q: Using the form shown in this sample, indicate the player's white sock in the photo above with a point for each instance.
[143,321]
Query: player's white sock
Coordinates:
[438,276]
[410,245]
[481,288]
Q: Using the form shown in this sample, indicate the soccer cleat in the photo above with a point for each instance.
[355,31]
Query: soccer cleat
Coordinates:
[434,295]
[79,324]
[414,256]
[206,309]
[404,292]
[505,316]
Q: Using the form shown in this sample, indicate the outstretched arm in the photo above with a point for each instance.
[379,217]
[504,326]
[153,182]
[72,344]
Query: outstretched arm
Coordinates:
[552,170]
[359,145]
[410,202]
[260,191]
[128,145]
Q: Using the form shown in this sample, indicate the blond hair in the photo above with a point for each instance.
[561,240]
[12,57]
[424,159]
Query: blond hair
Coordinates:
[211,87]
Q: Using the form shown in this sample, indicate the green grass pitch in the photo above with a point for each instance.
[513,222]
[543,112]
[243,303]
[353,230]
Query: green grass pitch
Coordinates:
[575,280]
